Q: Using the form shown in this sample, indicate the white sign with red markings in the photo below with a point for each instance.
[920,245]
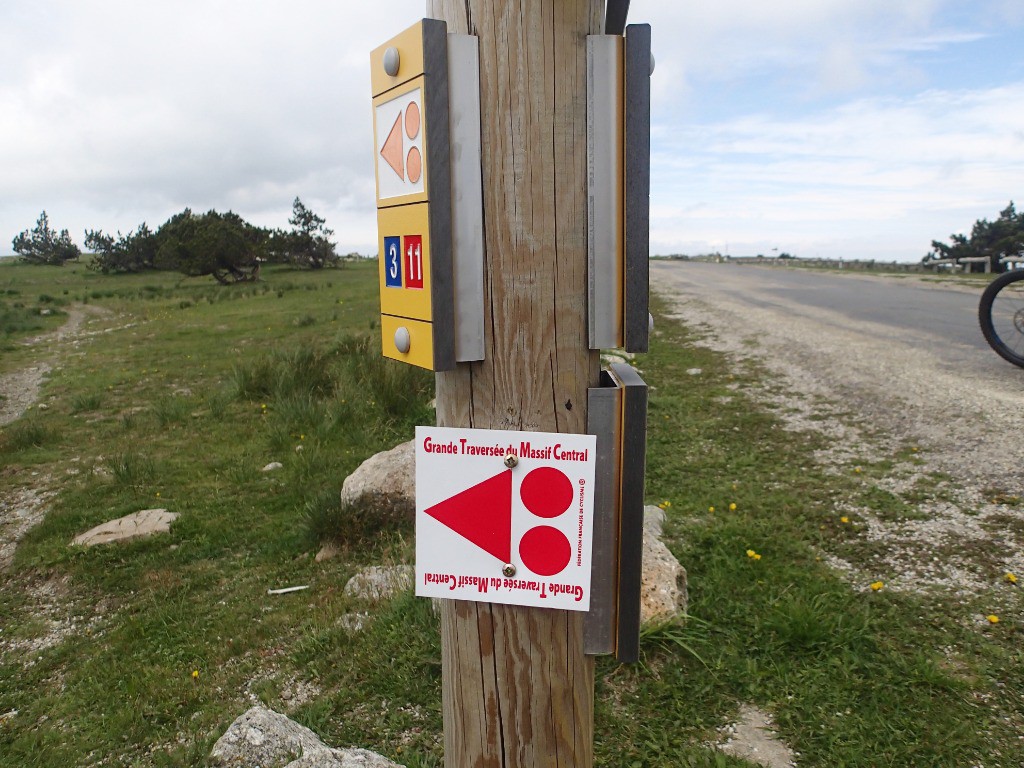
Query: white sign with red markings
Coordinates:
[495,533]
[399,128]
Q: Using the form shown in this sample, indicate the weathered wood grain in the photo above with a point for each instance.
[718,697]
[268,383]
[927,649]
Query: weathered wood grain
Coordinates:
[517,687]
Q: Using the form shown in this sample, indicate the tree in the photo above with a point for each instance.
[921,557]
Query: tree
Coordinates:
[133,252]
[43,246]
[994,240]
[308,243]
[220,244]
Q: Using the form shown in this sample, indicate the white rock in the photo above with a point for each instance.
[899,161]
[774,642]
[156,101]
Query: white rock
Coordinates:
[327,552]
[379,583]
[389,476]
[144,523]
[262,738]
[663,588]
[353,622]
[274,465]
[753,738]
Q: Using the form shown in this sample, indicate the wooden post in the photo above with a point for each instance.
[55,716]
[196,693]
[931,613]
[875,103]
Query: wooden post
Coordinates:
[517,687]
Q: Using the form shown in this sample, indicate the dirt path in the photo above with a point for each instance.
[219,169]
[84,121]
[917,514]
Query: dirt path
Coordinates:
[22,507]
[875,392]
[19,390]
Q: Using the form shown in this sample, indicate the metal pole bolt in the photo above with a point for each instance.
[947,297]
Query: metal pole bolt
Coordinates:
[391,61]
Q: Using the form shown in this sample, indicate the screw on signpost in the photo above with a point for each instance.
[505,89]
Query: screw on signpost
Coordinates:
[508,570]
[511,460]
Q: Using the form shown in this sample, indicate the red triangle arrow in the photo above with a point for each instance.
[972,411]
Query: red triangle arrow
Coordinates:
[482,514]
[394,149]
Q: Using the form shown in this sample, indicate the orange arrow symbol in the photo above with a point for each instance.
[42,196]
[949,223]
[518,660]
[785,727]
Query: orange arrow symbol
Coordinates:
[393,150]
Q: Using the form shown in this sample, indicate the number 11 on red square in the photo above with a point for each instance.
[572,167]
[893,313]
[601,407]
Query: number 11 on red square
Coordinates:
[413,261]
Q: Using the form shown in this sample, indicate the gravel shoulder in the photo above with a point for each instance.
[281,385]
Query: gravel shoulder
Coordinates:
[873,394]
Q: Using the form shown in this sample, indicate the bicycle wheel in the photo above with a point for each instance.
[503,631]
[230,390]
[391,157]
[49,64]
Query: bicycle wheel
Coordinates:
[1001,315]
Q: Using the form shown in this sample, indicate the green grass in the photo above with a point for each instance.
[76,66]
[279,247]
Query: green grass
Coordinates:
[196,387]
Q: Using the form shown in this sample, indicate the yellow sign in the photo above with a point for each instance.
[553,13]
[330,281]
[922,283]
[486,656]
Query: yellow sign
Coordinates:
[409,78]
[415,337]
[409,64]
[403,240]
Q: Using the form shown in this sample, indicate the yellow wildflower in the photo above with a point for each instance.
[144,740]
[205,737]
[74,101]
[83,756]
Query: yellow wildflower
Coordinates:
[877,585]
[753,555]
[195,674]
[992,618]
[1011,578]
[732,507]
[844,519]
[711,509]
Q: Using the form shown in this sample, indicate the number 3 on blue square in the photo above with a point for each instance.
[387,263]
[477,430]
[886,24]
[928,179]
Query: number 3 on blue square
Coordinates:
[393,262]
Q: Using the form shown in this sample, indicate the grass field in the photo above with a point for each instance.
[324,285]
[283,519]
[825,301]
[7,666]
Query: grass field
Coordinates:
[179,391]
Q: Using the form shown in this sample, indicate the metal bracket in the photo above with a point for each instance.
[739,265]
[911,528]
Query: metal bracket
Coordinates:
[617,415]
[615,17]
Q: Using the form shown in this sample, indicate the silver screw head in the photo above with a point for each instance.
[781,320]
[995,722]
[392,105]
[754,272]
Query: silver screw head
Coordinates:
[652,63]
[511,460]
[508,570]
[402,340]
[391,61]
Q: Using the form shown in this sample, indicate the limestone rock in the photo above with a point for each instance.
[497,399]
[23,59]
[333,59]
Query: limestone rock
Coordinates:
[388,477]
[379,583]
[139,524]
[274,465]
[353,622]
[343,758]
[327,552]
[262,738]
[663,594]
[753,738]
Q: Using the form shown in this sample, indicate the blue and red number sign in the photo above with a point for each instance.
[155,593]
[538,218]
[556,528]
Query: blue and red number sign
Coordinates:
[407,251]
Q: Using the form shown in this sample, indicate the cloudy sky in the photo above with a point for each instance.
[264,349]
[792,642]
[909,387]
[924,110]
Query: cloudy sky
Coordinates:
[832,128]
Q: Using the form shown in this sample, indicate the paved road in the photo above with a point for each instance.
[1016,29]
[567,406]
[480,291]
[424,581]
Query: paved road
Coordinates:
[904,353]
[941,318]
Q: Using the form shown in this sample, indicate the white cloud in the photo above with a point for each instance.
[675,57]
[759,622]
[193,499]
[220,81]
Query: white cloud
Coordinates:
[909,170]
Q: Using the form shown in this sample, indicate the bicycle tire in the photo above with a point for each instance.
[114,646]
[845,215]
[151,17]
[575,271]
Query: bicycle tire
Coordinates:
[1001,316]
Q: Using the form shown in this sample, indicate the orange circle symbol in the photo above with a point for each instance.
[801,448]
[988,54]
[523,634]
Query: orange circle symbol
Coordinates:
[414,165]
[412,120]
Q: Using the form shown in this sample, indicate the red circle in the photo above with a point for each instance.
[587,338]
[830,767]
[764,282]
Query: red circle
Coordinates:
[546,492]
[414,164]
[545,550]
